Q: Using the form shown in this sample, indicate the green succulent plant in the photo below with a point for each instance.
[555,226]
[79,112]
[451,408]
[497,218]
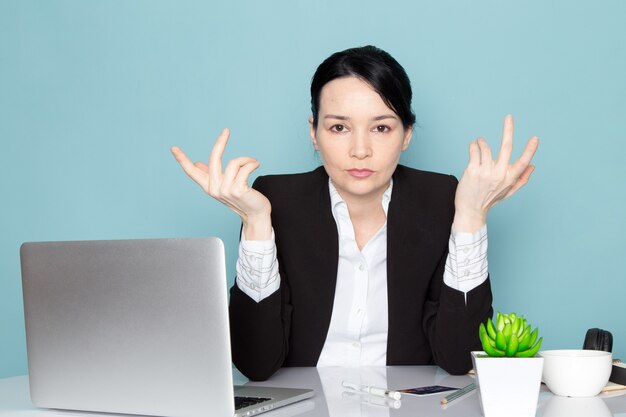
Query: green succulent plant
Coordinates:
[510,336]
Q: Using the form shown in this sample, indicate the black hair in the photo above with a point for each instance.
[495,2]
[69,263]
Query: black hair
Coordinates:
[374,66]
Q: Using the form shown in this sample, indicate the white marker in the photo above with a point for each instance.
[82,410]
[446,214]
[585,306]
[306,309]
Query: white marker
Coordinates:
[380,392]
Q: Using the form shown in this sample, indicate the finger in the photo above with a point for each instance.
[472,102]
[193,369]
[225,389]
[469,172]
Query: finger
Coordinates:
[190,169]
[474,155]
[241,180]
[485,152]
[244,173]
[180,156]
[201,165]
[527,156]
[215,159]
[232,170]
[506,147]
[527,173]
[521,181]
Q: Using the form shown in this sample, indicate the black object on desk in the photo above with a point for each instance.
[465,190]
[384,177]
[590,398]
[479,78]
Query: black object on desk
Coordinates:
[598,339]
[618,375]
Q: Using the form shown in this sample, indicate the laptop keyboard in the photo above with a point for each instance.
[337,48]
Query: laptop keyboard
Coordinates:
[241,402]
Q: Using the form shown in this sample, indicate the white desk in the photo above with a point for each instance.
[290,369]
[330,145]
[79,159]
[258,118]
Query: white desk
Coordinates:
[332,401]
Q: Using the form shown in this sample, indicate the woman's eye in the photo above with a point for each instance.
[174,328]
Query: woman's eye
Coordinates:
[382,129]
[338,128]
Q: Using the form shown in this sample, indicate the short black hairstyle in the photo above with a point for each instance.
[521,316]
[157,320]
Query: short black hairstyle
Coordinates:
[374,66]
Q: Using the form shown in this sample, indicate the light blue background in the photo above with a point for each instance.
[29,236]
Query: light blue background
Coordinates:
[93,94]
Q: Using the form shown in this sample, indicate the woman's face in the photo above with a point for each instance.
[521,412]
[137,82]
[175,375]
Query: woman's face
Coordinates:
[359,138]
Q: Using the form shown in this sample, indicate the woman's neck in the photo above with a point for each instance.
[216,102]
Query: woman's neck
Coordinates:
[367,216]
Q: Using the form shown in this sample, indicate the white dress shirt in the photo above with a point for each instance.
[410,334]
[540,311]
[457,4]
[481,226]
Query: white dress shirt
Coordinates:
[358,327]
[357,335]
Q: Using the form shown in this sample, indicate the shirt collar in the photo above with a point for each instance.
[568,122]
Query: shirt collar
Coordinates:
[336,200]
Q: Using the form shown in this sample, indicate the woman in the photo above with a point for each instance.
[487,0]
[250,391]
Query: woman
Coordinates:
[361,261]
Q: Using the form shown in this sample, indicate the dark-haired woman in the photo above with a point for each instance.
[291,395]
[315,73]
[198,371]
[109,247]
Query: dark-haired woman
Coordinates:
[361,261]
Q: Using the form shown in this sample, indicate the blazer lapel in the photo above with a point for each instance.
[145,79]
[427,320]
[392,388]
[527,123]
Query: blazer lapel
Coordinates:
[408,246]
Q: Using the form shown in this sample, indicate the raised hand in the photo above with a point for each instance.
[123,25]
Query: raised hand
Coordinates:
[230,187]
[486,182]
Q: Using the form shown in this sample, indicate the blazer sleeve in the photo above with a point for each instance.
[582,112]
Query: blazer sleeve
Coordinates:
[289,327]
[450,320]
[429,322]
[452,324]
[260,331]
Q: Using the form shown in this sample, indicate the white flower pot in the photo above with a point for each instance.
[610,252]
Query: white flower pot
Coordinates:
[508,387]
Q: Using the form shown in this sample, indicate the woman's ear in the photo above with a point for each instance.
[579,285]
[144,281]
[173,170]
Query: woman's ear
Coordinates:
[408,133]
[312,133]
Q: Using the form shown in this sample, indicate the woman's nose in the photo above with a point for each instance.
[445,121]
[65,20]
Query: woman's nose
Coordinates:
[360,145]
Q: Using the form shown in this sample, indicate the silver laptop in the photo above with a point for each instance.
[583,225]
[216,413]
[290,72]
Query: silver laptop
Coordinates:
[136,327]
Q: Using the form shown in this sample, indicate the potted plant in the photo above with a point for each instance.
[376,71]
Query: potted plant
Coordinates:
[508,372]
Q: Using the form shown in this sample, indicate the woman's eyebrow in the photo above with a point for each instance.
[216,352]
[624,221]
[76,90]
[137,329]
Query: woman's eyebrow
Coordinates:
[375,119]
[335,116]
[384,116]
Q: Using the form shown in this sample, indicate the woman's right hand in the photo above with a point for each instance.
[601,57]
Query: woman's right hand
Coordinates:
[231,187]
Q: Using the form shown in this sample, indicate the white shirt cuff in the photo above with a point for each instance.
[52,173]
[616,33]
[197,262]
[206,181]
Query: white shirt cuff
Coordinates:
[466,265]
[257,268]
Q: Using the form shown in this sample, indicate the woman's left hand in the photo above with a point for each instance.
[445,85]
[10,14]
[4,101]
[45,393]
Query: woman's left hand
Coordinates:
[486,182]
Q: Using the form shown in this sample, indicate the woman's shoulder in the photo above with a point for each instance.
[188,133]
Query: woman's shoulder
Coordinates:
[416,177]
[423,189]
[289,184]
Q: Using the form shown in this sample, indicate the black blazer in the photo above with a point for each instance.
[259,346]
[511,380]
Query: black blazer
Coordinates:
[429,322]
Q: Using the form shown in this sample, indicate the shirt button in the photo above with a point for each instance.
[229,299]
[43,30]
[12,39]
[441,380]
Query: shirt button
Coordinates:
[465,250]
[361,267]
[359,312]
[467,262]
[467,272]
[251,286]
[356,344]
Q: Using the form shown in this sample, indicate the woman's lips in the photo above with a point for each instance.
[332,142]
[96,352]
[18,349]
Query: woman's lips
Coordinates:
[360,173]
